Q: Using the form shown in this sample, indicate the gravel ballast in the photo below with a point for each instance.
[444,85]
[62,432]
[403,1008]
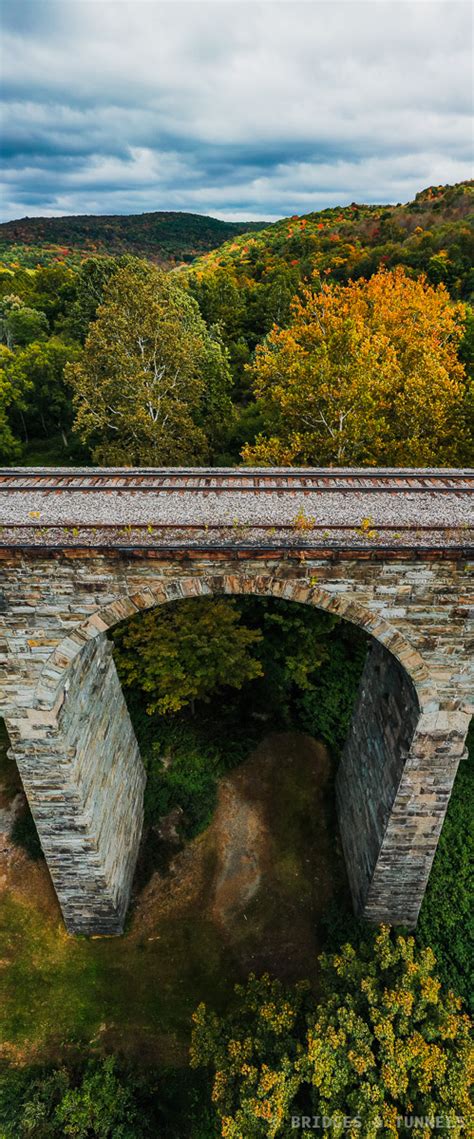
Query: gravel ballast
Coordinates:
[210,516]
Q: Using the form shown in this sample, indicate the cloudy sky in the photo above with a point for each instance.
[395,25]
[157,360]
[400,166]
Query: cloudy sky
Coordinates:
[239,110]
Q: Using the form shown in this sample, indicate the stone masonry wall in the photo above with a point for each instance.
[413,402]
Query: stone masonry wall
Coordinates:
[378,743]
[415,821]
[84,779]
[59,691]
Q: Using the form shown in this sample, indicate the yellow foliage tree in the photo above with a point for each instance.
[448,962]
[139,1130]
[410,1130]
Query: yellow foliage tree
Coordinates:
[382,1054]
[366,374]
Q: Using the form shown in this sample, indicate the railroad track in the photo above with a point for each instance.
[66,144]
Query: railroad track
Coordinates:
[240,509]
[215,481]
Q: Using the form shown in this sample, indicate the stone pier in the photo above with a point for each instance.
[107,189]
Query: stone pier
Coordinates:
[393,785]
[84,779]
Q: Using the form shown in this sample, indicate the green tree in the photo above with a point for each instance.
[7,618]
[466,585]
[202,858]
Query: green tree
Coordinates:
[14,281]
[253,1052]
[296,642]
[28,1102]
[325,709]
[244,310]
[216,415]
[13,401]
[386,1043]
[19,325]
[149,366]
[38,371]
[90,282]
[179,653]
[381,1044]
[223,304]
[102,1107]
[52,291]
[99,1103]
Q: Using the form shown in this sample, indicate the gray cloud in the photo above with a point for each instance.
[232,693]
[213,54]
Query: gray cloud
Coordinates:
[236,109]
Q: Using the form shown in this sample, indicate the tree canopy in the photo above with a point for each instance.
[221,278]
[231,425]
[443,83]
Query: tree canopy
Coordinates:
[20,324]
[366,373]
[380,1045]
[185,652]
[36,373]
[98,1103]
[152,376]
[254,319]
[13,394]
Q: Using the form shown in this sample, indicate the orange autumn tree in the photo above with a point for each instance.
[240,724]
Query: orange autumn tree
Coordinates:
[367,373]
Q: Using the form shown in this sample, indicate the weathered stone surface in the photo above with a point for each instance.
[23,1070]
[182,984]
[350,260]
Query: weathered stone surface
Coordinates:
[84,779]
[392,791]
[73,741]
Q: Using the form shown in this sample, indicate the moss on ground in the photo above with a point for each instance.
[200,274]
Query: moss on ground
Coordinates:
[135,995]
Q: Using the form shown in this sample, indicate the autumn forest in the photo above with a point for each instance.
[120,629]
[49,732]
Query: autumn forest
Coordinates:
[337,338]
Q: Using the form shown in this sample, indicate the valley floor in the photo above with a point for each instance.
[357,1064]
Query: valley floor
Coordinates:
[250,893]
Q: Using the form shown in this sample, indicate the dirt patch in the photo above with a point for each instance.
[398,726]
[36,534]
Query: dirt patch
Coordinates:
[28,880]
[241,841]
[263,873]
[285,783]
[19,874]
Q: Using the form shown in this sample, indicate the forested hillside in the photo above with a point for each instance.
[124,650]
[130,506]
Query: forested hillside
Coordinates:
[344,337]
[248,283]
[433,233]
[165,237]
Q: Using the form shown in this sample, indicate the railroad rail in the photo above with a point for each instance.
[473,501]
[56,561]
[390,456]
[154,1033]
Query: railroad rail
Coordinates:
[242,480]
[327,510]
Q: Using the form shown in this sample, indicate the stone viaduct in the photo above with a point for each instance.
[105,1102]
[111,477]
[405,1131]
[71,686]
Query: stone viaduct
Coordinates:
[80,550]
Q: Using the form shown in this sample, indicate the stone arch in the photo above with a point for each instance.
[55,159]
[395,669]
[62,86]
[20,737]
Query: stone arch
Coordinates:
[129,604]
[80,764]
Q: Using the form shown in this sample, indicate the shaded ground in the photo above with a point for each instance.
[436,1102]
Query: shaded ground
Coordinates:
[247,895]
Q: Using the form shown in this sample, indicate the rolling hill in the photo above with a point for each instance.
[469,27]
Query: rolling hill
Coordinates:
[433,234]
[167,238]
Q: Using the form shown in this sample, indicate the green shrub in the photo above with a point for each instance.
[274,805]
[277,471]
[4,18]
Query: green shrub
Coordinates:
[185,757]
[197,749]
[187,779]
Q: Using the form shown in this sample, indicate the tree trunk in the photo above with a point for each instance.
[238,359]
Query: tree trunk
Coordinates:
[25,432]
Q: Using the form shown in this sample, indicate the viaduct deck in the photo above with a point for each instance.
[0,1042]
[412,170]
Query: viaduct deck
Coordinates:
[239,509]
